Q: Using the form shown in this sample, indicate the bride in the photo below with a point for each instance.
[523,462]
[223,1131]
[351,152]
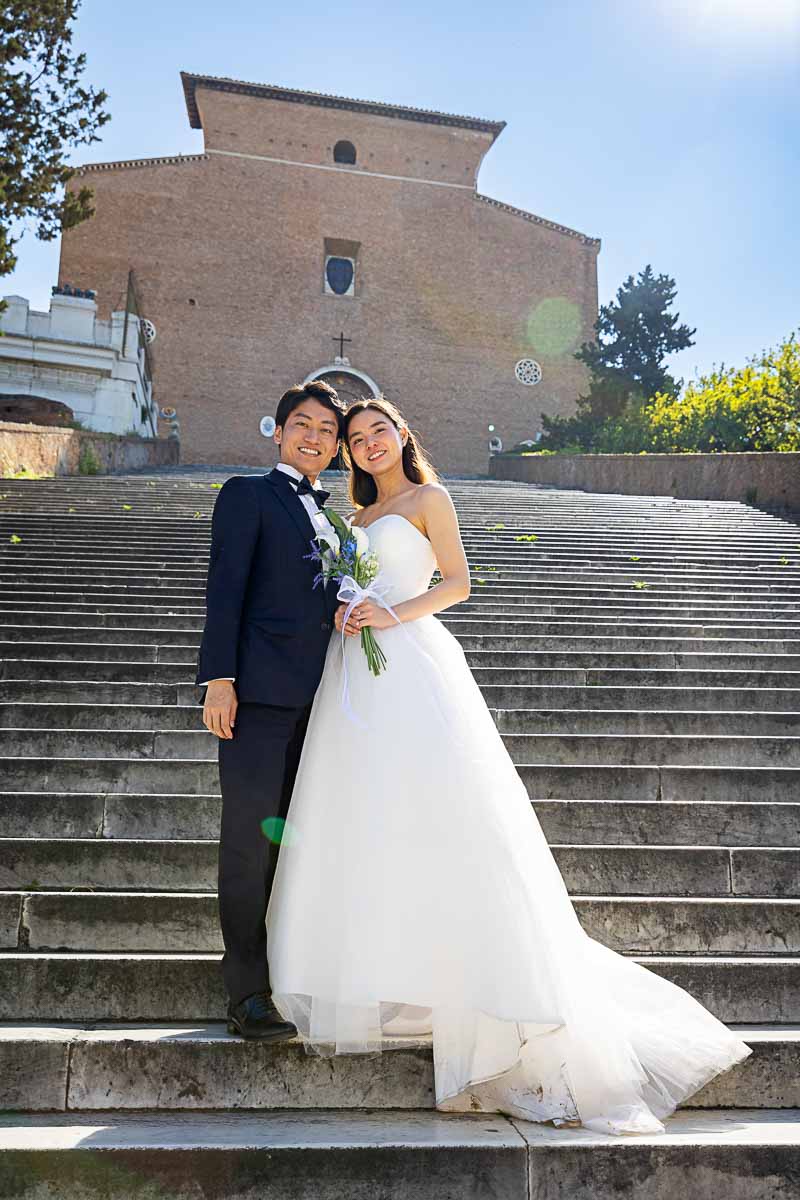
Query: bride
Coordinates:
[415,891]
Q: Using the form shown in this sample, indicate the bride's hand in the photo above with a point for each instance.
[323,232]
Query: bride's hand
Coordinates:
[352,629]
[367,613]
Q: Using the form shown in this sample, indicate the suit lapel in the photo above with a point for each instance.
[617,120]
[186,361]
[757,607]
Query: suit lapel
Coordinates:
[284,491]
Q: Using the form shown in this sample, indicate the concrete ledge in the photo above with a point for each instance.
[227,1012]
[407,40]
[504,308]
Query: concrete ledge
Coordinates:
[49,451]
[202,1067]
[768,480]
[393,1156]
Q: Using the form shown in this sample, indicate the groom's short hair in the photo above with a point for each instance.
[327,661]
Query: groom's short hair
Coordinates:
[315,389]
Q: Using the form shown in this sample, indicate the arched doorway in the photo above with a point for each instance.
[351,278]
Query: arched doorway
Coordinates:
[350,384]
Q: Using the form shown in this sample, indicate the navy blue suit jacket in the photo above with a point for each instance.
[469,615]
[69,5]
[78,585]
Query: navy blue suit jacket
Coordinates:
[266,623]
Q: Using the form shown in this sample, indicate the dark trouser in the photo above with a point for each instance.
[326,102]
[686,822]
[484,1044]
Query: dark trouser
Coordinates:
[257,769]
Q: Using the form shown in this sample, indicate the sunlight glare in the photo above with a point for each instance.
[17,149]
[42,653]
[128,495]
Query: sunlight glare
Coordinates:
[732,18]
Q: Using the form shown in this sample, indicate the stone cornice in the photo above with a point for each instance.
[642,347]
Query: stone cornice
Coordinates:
[269,91]
[528,216]
[127,163]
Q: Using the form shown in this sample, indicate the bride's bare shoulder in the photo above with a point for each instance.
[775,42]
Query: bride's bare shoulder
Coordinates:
[433,497]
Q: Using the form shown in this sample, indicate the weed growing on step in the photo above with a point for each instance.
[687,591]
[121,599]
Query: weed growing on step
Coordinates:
[527,537]
[639,584]
[14,539]
[489,528]
[635,558]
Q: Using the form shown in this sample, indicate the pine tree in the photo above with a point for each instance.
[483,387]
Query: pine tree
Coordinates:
[634,334]
[44,110]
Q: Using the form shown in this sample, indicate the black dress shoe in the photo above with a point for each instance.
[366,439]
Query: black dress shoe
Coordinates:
[257,1017]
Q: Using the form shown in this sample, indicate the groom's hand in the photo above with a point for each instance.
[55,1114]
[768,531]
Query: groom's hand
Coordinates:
[219,710]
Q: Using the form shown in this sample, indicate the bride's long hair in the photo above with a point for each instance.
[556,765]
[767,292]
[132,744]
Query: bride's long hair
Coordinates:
[416,464]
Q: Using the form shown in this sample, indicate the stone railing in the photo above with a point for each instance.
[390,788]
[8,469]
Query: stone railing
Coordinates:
[44,450]
[770,481]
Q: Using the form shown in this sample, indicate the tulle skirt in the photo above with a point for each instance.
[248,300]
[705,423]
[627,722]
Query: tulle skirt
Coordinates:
[415,892]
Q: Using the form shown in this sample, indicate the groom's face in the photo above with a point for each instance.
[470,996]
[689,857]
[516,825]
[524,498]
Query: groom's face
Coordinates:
[309,438]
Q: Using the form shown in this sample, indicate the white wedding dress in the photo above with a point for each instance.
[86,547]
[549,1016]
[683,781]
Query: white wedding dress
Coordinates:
[415,892]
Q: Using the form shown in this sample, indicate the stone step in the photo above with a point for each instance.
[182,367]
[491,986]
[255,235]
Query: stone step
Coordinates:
[57,815]
[475,634]
[48,575]
[625,677]
[131,1068]
[649,822]
[589,749]
[179,922]
[89,691]
[34,640]
[498,696]
[582,698]
[116,986]
[603,721]
[28,608]
[607,749]
[670,783]
[33,715]
[624,660]
[164,665]
[552,782]
[115,863]
[319,1155]
[85,670]
[563,590]
[743,637]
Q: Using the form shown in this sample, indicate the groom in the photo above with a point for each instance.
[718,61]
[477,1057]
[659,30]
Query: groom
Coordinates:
[261,658]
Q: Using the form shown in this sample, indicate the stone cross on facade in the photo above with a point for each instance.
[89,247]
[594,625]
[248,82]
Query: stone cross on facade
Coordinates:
[341,339]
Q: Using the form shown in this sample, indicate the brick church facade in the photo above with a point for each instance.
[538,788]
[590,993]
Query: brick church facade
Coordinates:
[318,236]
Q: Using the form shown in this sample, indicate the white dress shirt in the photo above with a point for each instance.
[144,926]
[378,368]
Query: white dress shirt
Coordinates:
[315,515]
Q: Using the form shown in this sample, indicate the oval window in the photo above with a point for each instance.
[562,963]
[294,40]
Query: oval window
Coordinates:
[339,274]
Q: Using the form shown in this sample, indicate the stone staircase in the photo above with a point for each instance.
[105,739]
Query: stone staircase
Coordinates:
[642,656]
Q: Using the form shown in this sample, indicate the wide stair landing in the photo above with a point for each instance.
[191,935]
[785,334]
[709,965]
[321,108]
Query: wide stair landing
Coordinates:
[642,657]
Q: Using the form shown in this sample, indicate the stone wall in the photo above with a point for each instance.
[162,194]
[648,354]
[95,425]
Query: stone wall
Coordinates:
[765,480]
[48,451]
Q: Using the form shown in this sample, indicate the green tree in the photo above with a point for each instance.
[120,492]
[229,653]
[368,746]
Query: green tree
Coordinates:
[44,110]
[755,407]
[634,335]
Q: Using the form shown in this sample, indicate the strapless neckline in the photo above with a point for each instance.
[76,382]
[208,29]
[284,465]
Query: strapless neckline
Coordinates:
[400,517]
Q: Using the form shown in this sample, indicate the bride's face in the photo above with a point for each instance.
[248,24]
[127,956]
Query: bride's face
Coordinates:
[375,442]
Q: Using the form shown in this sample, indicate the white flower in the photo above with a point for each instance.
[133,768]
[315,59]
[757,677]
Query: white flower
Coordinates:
[327,537]
[362,541]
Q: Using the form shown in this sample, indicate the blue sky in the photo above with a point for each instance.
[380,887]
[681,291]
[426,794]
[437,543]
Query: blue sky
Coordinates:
[669,128]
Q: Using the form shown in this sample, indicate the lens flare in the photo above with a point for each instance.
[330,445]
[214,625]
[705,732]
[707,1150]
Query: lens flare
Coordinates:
[554,326]
[279,832]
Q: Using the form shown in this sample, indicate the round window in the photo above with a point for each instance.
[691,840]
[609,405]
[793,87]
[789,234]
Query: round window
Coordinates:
[528,372]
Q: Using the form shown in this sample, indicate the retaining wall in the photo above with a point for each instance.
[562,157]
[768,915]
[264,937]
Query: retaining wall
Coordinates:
[45,450]
[766,480]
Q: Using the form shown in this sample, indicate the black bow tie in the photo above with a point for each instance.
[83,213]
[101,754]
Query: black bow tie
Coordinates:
[305,488]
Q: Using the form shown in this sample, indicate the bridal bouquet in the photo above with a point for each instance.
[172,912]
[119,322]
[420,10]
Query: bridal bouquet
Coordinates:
[345,557]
